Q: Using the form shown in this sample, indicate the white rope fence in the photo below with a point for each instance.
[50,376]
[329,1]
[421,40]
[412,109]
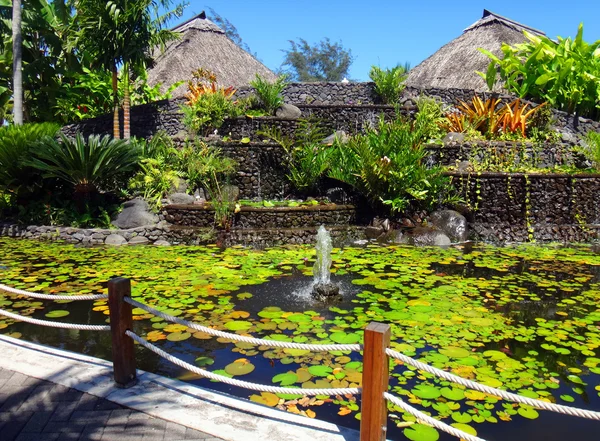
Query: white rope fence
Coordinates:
[240,383]
[36,295]
[429,420]
[566,410]
[236,337]
[55,324]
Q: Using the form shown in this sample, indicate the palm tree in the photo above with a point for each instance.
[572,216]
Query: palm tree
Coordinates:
[17,63]
[122,33]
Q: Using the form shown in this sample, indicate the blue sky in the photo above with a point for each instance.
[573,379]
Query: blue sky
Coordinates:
[387,32]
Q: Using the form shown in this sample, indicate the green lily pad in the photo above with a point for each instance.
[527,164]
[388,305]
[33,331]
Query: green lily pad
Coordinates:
[57,313]
[454,352]
[238,368]
[421,432]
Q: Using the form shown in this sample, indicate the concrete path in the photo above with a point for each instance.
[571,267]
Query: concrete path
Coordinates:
[38,410]
[39,384]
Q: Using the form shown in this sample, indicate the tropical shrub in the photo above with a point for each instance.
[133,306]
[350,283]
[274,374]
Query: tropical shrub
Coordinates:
[429,118]
[490,118]
[208,104]
[389,83]
[269,94]
[307,159]
[387,164]
[16,144]
[564,74]
[89,166]
[591,149]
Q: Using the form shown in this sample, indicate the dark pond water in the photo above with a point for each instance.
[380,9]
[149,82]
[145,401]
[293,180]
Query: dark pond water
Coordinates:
[522,318]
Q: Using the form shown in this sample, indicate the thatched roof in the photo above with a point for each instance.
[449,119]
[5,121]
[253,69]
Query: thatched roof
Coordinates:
[455,64]
[204,44]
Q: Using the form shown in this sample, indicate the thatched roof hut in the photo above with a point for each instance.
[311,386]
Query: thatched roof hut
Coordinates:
[454,65]
[204,44]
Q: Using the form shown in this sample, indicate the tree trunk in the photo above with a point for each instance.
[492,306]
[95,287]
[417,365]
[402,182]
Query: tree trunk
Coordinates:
[115,87]
[126,102]
[17,63]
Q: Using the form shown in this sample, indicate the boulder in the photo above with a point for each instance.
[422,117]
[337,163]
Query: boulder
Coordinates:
[393,237]
[337,195]
[454,137]
[427,237]
[288,111]
[162,243]
[136,213]
[115,240]
[373,232]
[338,134]
[181,199]
[139,240]
[230,193]
[451,223]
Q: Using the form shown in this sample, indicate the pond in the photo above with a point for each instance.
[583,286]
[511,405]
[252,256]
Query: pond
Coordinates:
[525,318]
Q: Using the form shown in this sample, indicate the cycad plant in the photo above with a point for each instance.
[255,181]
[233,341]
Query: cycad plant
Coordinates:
[98,163]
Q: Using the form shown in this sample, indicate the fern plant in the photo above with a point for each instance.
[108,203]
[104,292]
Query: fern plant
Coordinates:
[389,83]
[16,144]
[591,148]
[269,94]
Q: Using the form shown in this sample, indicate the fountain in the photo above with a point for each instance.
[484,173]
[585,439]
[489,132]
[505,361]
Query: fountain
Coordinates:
[323,289]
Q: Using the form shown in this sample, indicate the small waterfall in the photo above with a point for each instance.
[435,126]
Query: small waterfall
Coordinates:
[322,268]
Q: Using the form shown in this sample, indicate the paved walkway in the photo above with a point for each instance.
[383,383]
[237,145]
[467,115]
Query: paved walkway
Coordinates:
[38,410]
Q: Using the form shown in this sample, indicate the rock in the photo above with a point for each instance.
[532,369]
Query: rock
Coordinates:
[452,224]
[426,237]
[373,232]
[230,193]
[393,237]
[326,292]
[115,239]
[139,240]
[200,194]
[464,167]
[181,199]
[339,135]
[181,187]
[162,243]
[337,195]
[454,137]
[288,111]
[136,213]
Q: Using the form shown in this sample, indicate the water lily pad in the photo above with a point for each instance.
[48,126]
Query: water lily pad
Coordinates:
[528,412]
[421,432]
[57,313]
[178,336]
[320,371]
[345,339]
[285,379]
[238,325]
[454,352]
[239,367]
[426,392]
[204,361]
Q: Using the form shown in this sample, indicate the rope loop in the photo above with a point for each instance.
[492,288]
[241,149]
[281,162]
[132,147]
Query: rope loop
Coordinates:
[236,337]
[240,383]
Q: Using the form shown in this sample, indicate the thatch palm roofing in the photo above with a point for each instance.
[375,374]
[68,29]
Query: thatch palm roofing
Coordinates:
[454,65]
[204,44]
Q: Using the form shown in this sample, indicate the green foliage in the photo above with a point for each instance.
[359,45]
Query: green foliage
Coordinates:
[566,75]
[387,164]
[389,83]
[324,61]
[16,145]
[591,149]
[306,157]
[98,163]
[429,118]
[269,93]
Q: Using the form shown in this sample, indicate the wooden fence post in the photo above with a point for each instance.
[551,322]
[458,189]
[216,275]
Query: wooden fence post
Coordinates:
[120,321]
[373,422]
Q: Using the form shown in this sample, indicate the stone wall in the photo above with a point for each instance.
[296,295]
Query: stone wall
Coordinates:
[164,235]
[507,153]
[264,217]
[347,106]
[517,207]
